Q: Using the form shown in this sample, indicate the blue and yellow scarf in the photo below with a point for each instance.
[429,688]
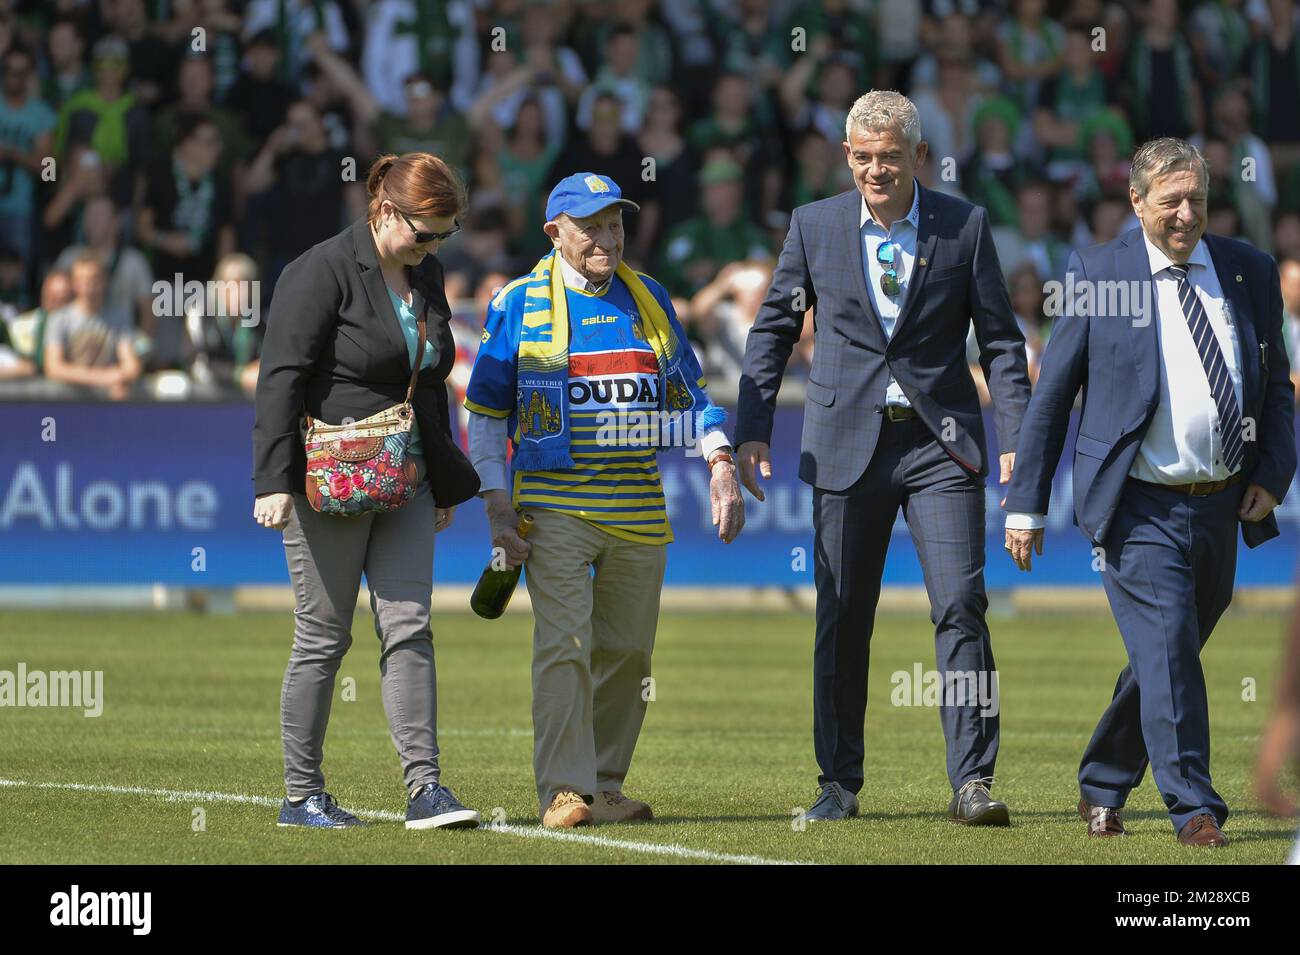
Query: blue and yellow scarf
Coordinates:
[542,366]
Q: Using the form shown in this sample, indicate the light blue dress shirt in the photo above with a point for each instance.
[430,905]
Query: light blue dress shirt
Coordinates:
[411,332]
[903,233]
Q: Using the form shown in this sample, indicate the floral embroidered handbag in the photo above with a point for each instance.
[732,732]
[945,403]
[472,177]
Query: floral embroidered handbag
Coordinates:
[353,469]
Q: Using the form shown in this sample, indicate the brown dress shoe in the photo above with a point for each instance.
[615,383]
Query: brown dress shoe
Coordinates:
[1103,821]
[567,809]
[1202,830]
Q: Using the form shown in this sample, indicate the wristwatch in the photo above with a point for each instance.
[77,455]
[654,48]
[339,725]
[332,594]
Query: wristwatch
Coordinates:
[722,454]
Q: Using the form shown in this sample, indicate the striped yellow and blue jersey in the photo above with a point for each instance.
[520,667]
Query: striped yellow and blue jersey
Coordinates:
[612,368]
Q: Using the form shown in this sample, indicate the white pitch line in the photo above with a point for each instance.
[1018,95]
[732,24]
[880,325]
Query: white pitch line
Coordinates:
[197,795]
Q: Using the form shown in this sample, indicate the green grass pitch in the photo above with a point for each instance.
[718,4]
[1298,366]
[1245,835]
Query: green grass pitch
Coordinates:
[191,717]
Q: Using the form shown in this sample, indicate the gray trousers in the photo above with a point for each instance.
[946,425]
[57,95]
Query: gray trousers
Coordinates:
[326,557]
[943,505]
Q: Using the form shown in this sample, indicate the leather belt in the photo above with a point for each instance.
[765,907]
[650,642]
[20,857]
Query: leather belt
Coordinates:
[1195,490]
[900,413]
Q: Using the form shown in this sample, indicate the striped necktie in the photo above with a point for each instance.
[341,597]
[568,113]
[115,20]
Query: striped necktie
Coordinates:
[1216,370]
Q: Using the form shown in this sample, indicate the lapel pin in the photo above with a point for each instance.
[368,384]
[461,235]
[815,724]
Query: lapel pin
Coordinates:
[923,261]
[1238,278]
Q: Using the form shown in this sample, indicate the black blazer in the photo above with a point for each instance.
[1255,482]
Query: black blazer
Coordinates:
[334,348]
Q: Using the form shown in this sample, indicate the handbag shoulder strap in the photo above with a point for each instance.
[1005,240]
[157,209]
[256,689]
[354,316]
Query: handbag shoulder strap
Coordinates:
[419,353]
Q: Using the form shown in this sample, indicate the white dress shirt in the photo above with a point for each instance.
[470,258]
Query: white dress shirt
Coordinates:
[903,233]
[1182,444]
[488,435]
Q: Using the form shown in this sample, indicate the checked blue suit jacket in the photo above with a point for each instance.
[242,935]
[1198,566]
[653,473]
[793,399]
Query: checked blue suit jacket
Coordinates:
[1116,361]
[956,279]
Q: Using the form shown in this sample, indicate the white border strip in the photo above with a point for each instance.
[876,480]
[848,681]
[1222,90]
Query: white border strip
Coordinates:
[649,848]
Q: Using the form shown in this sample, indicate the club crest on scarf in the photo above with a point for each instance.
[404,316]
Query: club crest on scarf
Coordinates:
[540,404]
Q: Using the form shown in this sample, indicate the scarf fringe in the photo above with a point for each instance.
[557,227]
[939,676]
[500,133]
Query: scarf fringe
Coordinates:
[537,459]
[708,418]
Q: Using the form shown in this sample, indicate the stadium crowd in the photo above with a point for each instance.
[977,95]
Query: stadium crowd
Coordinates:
[177,141]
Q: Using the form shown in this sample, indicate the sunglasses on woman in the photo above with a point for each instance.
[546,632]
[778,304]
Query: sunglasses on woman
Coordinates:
[422,238]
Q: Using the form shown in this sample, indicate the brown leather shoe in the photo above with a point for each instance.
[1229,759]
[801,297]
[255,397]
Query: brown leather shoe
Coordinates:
[1103,821]
[567,809]
[1202,830]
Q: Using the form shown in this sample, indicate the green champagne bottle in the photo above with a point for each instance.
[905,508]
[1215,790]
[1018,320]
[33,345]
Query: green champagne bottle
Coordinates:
[495,587]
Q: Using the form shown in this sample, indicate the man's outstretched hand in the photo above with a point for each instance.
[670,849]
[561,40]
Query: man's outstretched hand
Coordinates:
[754,456]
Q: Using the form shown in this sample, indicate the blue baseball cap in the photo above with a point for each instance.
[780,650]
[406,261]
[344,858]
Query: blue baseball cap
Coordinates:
[584,194]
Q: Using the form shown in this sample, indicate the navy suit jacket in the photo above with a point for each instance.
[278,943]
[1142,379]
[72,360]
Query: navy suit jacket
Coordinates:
[1116,360]
[955,279]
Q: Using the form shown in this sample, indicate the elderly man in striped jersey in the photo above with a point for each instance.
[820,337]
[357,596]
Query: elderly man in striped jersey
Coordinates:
[585,369]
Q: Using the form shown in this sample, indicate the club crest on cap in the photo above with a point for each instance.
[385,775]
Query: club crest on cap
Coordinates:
[596,184]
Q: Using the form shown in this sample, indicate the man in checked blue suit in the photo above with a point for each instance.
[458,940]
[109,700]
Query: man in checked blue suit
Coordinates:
[1186,432]
[895,275]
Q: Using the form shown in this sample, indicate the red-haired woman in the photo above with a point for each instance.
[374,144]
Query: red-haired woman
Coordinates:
[342,340]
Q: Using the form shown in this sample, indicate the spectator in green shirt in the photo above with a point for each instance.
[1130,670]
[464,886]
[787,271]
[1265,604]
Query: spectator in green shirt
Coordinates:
[524,161]
[195,84]
[1066,101]
[993,173]
[738,123]
[732,122]
[108,119]
[430,125]
[654,61]
[849,27]
[696,250]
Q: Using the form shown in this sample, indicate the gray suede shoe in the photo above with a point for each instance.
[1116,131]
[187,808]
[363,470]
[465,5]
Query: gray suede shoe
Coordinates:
[973,806]
[833,802]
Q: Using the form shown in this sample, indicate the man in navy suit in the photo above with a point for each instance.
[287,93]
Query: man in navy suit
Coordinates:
[1186,431]
[895,274]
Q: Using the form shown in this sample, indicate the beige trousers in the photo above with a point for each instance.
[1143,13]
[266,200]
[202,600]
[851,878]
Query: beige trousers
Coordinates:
[592,640]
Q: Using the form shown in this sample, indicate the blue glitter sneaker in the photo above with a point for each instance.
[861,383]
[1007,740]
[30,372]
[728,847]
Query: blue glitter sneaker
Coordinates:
[319,811]
[436,807]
